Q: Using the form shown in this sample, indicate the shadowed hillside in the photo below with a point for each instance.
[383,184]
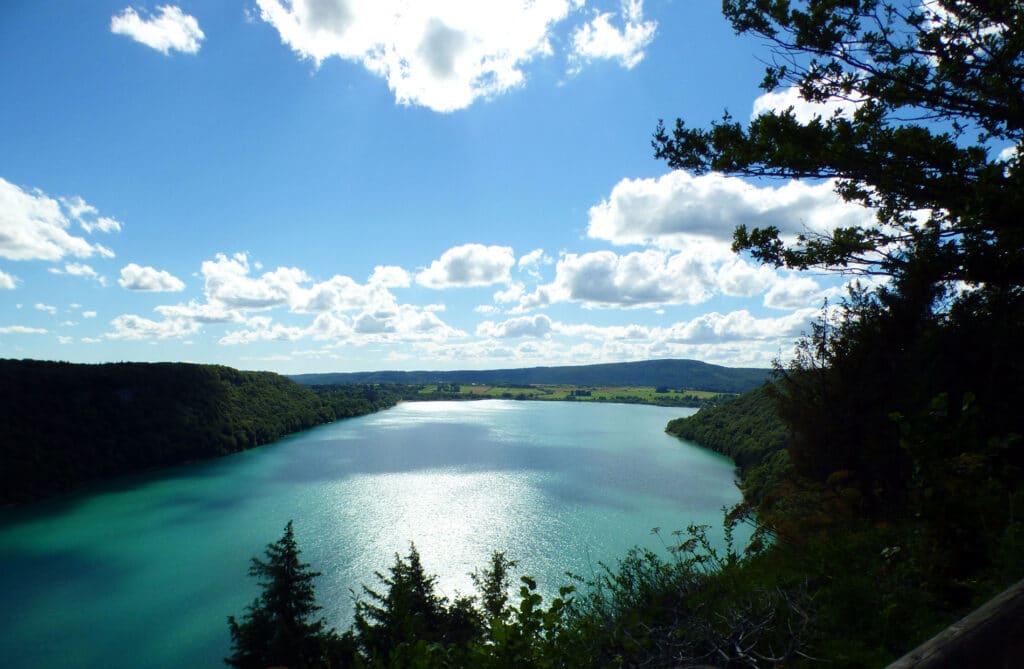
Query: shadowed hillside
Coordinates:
[64,424]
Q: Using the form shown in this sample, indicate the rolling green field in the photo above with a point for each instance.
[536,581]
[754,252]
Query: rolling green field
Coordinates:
[624,394]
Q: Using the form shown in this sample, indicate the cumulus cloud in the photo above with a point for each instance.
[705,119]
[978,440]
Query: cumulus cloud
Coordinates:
[438,55]
[639,279]
[236,294]
[20,329]
[34,226]
[708,329]
[734,338]
[48,308]
[792,292]
[513,293]
[532,261]
[738,278]
[202,313]
[136,277]
[262,328]
[227,281]
[469,265]
[390,276]
[7,282]
[804,111]
[88,314]
[525,326]
[678,209]
[738,326]
[170,30]
[600,39]
[132,327]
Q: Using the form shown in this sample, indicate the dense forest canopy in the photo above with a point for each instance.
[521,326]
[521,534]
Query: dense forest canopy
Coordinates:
[64,424]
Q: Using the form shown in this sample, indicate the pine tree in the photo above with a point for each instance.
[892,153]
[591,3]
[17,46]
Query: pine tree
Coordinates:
[277,629]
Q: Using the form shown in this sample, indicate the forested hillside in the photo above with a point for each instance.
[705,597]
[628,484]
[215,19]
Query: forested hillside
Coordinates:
[749,430]
[64,424]
[688,374]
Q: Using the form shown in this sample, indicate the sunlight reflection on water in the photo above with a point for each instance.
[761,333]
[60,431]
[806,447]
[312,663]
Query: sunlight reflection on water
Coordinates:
[162,558]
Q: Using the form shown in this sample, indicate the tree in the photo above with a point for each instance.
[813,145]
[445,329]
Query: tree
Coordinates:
[937,91]
[277,629]
[927,135]
[401,621]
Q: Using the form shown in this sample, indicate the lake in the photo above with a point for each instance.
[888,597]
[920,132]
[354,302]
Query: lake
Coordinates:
[143,571]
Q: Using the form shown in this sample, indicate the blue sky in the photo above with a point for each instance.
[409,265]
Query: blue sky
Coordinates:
[335,185]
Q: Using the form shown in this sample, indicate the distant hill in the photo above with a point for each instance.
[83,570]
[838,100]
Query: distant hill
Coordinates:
[64,424]
[690,374]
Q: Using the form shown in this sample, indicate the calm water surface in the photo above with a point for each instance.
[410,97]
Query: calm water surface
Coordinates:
[144,571]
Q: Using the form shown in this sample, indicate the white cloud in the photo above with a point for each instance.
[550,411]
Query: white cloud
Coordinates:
[87,216]
[227,281]
[20,329]
[678,208]
[48,308]
[531,262]
[200,313]
[639,279]
[406,323]
[261,328]
[132,327]
[170,30]
[525,326]
[136,277]
[344,308]
[1008,154]
[792,292]
[804,111]
[88,314]
[79,269]
[738,326]
[736,338]
[34,227]
[103,224]
[513,293]
[7,281]
[390,276]
[64,339]
[441,55]
[600,39]
[469,265]
[533,258]
[738,278]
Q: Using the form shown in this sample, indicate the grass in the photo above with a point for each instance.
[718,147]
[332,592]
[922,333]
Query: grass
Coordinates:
[625,394]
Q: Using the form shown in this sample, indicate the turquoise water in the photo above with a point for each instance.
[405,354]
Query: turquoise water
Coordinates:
[143,572]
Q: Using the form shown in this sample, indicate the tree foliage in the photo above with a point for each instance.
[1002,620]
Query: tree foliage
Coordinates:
[901,405]
[937,91]
[65,424]
[278,629]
